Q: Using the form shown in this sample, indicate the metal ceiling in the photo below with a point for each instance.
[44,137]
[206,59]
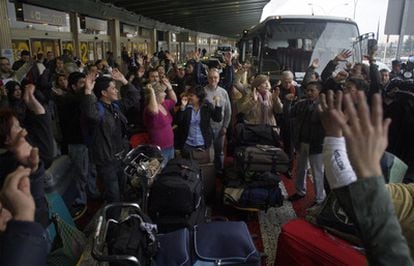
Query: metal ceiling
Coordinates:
[222,17]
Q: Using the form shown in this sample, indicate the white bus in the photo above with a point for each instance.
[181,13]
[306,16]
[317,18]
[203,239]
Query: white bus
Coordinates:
[292,42]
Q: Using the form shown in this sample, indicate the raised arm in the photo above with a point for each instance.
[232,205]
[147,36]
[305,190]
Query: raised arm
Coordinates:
[366,201]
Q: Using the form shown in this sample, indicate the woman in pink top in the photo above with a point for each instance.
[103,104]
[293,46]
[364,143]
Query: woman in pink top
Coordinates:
[158,119]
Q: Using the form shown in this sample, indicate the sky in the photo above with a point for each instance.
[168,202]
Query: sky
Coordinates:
[368,13]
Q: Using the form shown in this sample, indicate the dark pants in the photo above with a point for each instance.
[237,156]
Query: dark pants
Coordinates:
[114,181]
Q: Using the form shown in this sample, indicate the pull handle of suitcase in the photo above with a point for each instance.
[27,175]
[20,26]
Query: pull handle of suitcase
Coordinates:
[101,232]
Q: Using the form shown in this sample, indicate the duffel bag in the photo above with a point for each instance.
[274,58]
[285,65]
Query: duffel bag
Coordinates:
[262,159]
[261,193]
[250,134]
[178,190]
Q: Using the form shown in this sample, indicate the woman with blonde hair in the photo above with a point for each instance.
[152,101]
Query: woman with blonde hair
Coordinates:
[260,105]
[158,119]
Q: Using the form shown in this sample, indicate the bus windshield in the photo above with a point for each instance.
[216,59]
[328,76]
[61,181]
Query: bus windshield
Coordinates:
[294,44]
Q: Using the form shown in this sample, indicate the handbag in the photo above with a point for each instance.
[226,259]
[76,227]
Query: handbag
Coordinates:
[68,245]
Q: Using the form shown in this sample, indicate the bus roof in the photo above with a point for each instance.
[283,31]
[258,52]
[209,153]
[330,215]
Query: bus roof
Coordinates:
[301,17]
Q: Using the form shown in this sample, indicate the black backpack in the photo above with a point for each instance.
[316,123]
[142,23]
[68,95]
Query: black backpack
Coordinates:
[178,189]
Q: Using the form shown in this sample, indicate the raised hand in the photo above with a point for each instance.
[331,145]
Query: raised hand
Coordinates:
[330,107]
[167,83]
[118,76]
[366,134]
[30,100]
[169,57]
[315,63]
[89,83]
[343,56]
[184,101]
[276,93]
[255,97]
[16,196]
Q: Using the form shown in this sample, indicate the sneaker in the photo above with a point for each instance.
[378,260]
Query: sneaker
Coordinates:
[296,197]
[77,211]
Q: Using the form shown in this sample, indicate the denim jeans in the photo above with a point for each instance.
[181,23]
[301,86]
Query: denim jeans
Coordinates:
[167,154]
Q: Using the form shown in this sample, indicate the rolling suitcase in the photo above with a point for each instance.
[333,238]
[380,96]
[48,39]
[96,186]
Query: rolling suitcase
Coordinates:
[301,243]
[215,243]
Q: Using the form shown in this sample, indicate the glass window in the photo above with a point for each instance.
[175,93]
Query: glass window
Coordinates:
[293,45]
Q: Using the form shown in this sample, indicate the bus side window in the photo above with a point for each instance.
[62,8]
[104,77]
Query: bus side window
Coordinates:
[256,47]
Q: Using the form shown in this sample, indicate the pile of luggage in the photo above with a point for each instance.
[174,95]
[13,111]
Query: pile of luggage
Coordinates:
[175,230]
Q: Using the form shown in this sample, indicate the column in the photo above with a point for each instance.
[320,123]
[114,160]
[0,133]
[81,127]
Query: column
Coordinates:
[74,28]
[115,33]
[5,33]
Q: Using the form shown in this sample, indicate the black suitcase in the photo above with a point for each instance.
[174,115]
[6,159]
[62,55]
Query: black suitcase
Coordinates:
[178,190]
[261,158]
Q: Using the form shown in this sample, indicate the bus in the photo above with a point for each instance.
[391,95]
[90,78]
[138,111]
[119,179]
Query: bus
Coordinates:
[292,42]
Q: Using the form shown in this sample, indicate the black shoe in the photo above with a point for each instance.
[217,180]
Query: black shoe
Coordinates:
[77,211]
[296,197]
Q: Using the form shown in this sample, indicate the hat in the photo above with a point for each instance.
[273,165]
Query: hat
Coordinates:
[101,84]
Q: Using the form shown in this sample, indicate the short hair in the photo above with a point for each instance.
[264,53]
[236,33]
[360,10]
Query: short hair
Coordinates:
[24,52]
[287,74]
[4,58]
[384,70]
[317,84]
[101,84]
[6,124]
[360,84]
[74,77]
[258,80]
[197,91]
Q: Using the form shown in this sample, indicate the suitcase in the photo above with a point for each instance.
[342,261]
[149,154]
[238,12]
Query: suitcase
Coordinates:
[261,158]
[301,243]
[215,243]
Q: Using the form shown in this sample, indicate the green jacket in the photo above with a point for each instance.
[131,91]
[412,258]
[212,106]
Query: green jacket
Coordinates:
[368,204]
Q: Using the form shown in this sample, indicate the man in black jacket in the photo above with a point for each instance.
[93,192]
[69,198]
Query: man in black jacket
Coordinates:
[68,106]
[106,126]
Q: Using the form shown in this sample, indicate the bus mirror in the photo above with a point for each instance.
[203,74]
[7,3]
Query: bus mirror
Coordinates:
[372,46]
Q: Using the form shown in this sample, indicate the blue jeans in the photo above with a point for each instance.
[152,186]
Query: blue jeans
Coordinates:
[167,154]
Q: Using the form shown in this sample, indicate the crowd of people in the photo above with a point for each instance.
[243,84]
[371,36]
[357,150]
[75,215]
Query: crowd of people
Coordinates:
[90,112]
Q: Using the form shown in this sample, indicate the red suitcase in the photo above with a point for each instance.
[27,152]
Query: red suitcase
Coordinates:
[301,243]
